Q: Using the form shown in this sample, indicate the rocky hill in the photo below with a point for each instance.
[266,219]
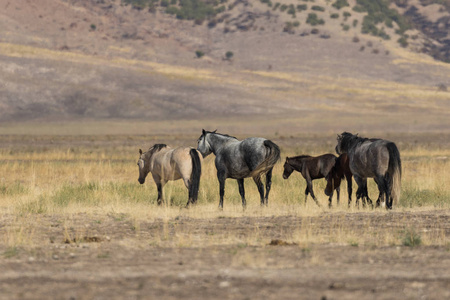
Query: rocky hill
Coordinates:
[171,59]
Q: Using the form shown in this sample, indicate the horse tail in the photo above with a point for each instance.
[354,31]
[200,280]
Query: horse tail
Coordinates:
[272,157]
[195,175]
[395,172]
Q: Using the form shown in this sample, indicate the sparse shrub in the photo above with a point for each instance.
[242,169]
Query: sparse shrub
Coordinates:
[164,3]
[212,23]
[314,31]
[355,23]
[375,51]
[229,55]
[93,27]
[275,7]
[340,4]
[411,238]
[442,87]
[345,27]
[346,15]
[291,10]
[301,7]
[334,16]
[199,53]
[403,42]
[355,39]
[283,7]
[314,20]
[296,23]
[362,48]
[289,28]
[325,36]
[318,8]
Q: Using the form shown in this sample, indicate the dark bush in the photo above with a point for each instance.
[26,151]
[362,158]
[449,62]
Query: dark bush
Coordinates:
[318,8]
[199,53]
[334,16]
[314,20]
[340,4]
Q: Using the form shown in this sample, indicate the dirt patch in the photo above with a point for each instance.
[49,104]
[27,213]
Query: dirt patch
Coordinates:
[227,258]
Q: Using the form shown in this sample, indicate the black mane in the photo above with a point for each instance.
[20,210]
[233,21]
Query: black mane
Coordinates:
[156,148]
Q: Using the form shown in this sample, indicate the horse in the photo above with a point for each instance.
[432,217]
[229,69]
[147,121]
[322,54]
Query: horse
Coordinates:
[167,164]
[340,170]
[373,158]
[251,157]
[313,168]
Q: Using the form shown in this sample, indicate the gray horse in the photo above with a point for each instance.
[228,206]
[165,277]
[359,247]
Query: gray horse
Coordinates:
[252,157]
[167,164]
[373,158]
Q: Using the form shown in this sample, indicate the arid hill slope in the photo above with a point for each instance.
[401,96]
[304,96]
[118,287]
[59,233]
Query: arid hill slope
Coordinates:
[73,60]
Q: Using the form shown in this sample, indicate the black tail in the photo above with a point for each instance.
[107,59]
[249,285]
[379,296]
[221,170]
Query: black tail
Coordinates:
[194,182]
[394,172]
[272,157]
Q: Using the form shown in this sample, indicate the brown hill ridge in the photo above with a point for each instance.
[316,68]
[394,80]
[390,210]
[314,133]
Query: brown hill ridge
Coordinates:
[101,59]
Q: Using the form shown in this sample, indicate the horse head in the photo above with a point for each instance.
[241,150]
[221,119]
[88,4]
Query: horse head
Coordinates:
[343,142]
[288,169]
[144,161]
[203,145]
[143,166]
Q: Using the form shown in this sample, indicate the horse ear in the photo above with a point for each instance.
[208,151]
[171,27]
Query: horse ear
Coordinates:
[214,131]
[203,131]
[140,151]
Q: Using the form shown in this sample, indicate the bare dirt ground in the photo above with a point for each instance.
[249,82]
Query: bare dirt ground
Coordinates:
[119,259]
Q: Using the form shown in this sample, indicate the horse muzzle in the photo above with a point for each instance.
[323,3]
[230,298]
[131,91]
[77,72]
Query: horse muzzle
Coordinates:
[141,180]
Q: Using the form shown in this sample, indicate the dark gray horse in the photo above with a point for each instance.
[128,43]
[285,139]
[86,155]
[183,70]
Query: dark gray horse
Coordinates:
[373,158]
[252,157]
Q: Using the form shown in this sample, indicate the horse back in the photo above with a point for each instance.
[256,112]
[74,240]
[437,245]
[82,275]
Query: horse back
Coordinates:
[172,164]
[369,158]
[318,166]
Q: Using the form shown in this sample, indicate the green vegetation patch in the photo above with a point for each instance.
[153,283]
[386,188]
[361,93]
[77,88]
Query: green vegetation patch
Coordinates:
[378,12]
[313,20]
[340,4]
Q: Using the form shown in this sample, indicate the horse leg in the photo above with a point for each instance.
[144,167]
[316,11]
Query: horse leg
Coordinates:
[221,176]
[242,192]
[268,185]
[187,185]
[360,190]
[306,193]
[338,192]
[160,198]
[309,184]
[382,188]
[260,185]
[349,188]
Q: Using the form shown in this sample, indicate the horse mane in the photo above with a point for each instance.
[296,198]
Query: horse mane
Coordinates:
[156,148]
[222,134]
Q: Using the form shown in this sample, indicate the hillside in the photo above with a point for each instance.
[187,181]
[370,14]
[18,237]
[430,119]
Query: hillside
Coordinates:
[105,59]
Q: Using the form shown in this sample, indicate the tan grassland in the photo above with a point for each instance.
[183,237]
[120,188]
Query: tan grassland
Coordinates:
[73,203]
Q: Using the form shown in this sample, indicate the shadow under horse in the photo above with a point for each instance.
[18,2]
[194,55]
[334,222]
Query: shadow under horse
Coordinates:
[251,157]
[315,167]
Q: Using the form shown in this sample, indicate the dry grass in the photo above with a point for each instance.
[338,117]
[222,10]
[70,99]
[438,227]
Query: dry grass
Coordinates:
[102,183]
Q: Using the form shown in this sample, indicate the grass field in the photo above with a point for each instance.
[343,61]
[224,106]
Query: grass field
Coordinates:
[71,208]
[68,175]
